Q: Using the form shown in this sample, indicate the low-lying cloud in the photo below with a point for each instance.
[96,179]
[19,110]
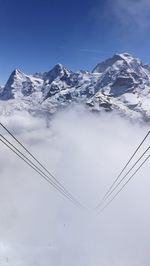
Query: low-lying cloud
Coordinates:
[85,151]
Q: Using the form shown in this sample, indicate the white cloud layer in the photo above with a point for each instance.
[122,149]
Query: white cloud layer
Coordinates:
[40,227]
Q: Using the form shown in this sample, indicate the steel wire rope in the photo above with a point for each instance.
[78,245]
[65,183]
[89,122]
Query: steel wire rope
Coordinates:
[117,185]
[125,184]
[34,167]
[8,131]
[117,178]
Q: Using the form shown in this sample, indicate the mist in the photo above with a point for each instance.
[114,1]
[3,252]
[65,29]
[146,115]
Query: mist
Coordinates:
[85,151]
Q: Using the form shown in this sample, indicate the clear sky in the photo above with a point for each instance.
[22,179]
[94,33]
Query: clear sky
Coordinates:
[37,34]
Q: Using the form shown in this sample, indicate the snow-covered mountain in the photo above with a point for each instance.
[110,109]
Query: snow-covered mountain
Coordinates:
[120,83]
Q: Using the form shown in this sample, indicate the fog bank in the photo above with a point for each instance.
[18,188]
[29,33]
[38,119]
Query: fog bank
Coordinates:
[85,151]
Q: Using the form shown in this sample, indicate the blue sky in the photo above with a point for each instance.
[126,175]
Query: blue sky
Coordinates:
[37,34]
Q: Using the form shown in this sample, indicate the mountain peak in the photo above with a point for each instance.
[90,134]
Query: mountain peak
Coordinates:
[57,71]
[124,58]
[59,68]
[128,58]
[15,75]
[101,67]
[124,55]
[17,72]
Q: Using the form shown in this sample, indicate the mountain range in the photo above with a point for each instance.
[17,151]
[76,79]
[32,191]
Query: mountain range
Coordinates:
[120,83]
